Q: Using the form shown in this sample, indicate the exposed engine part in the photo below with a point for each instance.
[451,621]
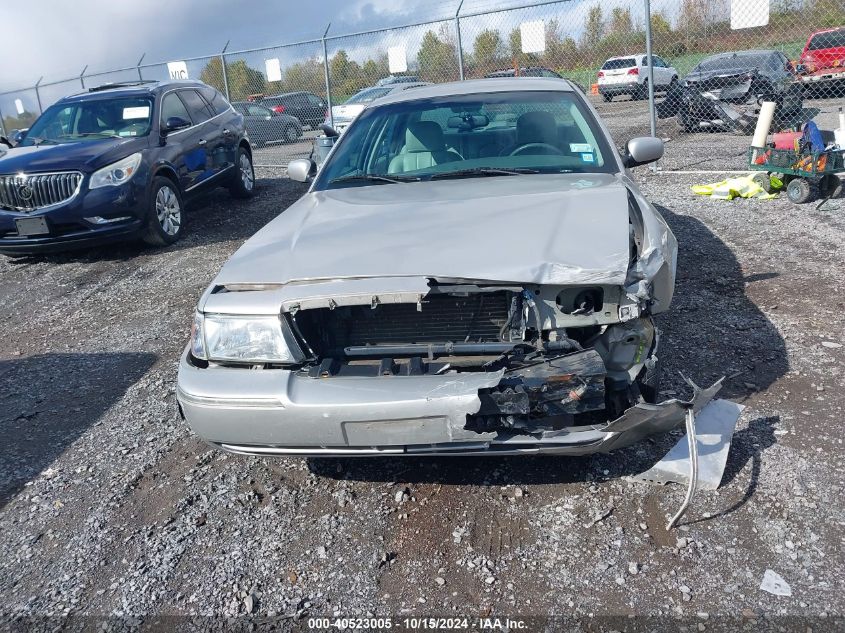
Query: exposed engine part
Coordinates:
[533,394]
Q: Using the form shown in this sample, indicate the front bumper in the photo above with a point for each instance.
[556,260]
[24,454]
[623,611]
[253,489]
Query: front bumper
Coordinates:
[68,227]
[281,412]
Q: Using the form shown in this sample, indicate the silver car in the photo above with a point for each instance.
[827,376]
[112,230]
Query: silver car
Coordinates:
[472,271]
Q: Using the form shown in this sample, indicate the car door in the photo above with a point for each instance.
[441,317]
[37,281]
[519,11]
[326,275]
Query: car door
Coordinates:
[268,127]
[210,138]
[317,109]
[184,150]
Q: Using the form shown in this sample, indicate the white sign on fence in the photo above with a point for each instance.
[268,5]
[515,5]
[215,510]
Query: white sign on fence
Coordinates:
[533,35]
[273,68]
[19,106]
[177,70]
[746,14]
[397,60]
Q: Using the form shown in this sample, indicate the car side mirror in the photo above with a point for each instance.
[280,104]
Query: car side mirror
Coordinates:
[301,169]
[174,124]
[17,137]
[642,150]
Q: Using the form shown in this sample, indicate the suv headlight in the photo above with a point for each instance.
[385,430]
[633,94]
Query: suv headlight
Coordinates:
[243,339]
[116,173]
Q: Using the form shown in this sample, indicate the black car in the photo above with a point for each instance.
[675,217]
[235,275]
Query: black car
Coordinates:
[742,79]
[308,108]
[265,126]
[117,163]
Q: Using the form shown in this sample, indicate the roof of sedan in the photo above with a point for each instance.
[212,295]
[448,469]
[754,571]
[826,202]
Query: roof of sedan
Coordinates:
[477,86]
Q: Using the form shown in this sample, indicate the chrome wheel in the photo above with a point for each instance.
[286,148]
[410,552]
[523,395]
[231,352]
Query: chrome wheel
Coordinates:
[247,175]
[168,210]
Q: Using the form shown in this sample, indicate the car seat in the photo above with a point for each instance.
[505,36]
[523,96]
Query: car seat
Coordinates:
[536,126]
[424,147]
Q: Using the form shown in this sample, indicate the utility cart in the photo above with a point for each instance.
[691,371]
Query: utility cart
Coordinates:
[806,175]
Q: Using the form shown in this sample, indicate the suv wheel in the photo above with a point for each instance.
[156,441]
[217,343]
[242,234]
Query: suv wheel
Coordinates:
[291,134]
[243,181]
[164,217]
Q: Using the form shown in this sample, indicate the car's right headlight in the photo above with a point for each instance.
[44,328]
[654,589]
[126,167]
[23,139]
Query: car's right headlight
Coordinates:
[243,339]
[116,173]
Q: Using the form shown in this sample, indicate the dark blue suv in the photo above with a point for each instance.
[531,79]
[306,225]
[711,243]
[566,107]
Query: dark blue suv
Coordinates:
[118,162]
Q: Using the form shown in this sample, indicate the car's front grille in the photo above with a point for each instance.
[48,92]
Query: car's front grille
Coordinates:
[23,192]
[438,319]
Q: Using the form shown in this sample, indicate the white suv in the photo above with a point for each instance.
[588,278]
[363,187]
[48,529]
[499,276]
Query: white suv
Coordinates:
[628,75]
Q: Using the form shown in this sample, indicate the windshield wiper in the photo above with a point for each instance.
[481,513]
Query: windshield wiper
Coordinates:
[394,178]
[84,134]
[37,140]
[486,171]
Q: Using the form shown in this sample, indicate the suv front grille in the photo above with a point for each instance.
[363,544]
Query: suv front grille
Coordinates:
[22,192]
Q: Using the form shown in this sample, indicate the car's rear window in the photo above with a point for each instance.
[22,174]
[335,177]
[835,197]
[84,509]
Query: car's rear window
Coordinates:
[615,64]
[833,39]
[370,94]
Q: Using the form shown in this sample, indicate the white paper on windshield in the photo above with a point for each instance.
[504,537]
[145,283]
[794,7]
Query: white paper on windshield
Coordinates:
[577,148]
[397,60]
[746,14]
[19,106]
[177,70]
[137,112]
[533,36]
[273,69]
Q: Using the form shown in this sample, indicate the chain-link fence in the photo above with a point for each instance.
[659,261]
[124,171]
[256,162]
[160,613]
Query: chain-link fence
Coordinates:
[713,62]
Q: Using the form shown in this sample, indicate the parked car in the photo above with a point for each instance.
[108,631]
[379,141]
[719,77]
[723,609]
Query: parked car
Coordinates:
[743,78]
[822,62]
[445,288]
[308,108]
[628,75]
[118,163]
[343,114]
[398,79]
[265,126]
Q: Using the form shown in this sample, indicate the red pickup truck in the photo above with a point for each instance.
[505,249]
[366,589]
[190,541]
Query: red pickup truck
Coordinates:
[822,61]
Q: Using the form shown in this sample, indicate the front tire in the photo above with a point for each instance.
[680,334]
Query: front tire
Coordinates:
[608,97]
[165,214]
[291,134]
[243,181]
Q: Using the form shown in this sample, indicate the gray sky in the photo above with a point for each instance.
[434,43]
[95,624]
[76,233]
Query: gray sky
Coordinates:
[57,38]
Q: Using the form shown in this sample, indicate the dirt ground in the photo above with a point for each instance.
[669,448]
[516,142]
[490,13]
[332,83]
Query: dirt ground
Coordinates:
[110,507]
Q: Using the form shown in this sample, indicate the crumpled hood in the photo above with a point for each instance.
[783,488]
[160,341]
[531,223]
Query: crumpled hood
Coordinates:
[541,229]
[82,155]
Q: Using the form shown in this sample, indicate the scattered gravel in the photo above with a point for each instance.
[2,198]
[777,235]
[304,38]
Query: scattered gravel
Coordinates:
[109,506]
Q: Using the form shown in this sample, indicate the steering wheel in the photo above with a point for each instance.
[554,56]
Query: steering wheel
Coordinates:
[525,146]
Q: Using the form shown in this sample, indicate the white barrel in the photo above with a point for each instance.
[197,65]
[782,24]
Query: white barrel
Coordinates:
[767,113]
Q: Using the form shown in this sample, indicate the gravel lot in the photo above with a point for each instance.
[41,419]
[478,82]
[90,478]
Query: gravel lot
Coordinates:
[110,507]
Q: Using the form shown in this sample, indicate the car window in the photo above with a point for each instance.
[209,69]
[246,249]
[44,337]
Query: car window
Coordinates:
[550,131]
[218,102]
[734,61]
[833,39]
[197,107]
[616,64]
[172,106]
[314,100]
[369,94]
[257,110]
[658,62]
[91,120]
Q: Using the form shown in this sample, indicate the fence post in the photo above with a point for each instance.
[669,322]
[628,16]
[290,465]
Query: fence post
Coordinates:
[223,66]
[328,78]
[458,41]
[82,76]
[138,66]
[652,113]
[38,95]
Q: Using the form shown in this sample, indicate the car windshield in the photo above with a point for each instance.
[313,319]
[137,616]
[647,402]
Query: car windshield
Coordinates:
[369,94]
[833,39]
[91,120]
[616,64]
[478,135]
[735,61]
